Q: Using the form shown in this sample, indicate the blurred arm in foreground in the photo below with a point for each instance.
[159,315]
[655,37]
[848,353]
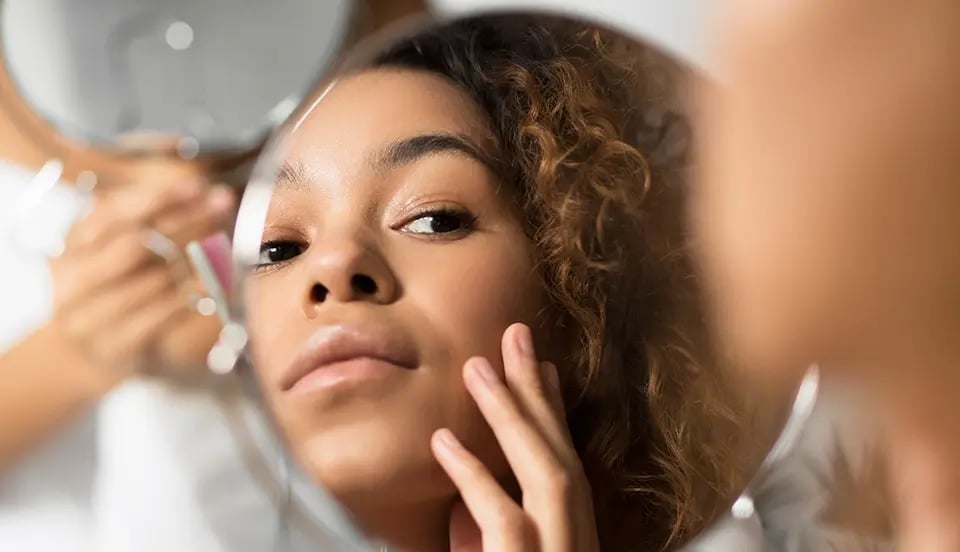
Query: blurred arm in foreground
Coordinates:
[829,215]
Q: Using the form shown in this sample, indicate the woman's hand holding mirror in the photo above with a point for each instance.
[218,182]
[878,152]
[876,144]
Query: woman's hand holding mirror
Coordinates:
[113,296]
[525,411]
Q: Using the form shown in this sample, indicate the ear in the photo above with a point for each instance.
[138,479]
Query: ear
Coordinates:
[465,535]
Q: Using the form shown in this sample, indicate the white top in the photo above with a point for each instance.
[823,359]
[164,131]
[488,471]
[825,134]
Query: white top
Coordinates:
[793,502]
[148,469]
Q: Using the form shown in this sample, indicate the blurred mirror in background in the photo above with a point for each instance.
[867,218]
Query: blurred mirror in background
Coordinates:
[468,302]
[214,73]
[126,132]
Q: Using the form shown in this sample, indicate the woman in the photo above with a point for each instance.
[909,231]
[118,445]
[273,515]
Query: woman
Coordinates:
[473,289]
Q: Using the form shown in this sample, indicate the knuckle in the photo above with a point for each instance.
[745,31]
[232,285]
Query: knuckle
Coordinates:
[510,523]
[557,480]
[132,249]
[154,286]
[529,377]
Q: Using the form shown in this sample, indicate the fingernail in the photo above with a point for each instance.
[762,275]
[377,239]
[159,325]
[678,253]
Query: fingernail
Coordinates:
[482,367]
[446,438]
[524,340]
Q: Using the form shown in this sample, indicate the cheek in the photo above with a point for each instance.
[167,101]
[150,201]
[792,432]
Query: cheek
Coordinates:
[272,313]
[476,293]
[467,300]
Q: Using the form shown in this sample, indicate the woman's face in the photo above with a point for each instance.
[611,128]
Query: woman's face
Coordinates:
[392,254]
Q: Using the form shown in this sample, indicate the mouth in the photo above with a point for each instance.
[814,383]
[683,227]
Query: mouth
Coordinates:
[339,353]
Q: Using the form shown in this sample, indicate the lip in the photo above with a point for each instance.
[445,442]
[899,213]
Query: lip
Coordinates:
[351,351]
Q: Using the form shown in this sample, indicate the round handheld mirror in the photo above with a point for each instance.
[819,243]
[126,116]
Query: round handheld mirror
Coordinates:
[474,233]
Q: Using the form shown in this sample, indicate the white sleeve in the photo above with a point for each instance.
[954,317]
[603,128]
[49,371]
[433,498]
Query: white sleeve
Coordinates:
[795,502]
[731,535]
[25,283]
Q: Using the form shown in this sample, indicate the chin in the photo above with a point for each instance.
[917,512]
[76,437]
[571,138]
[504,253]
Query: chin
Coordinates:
[370,463]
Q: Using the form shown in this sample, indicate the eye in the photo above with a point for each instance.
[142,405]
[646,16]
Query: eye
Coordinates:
[440,222]
[275,252]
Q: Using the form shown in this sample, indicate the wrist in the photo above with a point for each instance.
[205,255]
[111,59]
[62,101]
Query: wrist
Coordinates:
[90,376]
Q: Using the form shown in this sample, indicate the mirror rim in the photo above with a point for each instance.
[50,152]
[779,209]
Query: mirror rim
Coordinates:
[800,397]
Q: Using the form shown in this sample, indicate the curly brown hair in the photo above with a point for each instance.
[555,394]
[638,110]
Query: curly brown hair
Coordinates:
[600,166]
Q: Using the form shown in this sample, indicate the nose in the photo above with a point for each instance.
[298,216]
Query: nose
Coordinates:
[345,270]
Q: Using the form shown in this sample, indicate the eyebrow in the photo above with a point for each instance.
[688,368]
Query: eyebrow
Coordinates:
[294,176]
[412,149]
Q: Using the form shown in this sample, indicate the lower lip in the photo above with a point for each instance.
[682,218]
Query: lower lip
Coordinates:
[346,373]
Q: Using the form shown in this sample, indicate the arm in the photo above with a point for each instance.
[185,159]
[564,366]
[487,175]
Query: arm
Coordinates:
[44,383]
[833,149]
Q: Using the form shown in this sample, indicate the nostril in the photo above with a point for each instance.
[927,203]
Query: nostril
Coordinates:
[318,293]
[364,284]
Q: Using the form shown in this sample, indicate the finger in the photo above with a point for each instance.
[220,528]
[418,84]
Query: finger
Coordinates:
[535,393]
[551,376]
[503,524]
[75,277]
[139,330]
[110,305]
[185,344]
[547,481]
[198,220]
[465,535]
[128,206]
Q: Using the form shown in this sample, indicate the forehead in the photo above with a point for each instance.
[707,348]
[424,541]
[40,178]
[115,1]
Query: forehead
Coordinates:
[373,107]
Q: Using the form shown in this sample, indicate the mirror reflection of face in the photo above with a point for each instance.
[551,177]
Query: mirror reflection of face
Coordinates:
[487,172]
[389,232]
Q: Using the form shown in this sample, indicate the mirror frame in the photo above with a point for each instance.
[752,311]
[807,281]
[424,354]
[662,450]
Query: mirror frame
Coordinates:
[799,403]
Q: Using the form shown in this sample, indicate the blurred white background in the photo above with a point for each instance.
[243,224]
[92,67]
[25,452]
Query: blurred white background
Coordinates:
[676,25]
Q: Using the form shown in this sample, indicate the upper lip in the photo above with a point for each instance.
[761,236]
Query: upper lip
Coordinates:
[340,343]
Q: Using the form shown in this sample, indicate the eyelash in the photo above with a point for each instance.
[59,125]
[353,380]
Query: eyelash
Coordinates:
[465,219]
[271,244]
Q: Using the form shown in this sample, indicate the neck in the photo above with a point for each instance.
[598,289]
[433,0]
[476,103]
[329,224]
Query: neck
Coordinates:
[416,527]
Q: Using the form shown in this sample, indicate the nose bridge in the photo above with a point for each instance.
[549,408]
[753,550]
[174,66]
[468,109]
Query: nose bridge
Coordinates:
[339,251]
